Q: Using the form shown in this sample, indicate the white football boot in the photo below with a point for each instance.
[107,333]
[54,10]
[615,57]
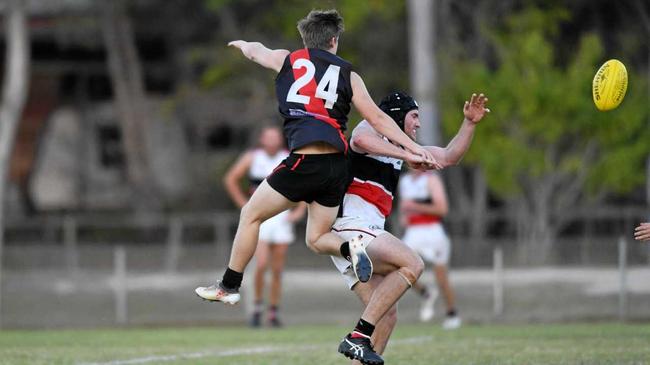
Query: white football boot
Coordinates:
[217,293]
[452,323]
[361,263]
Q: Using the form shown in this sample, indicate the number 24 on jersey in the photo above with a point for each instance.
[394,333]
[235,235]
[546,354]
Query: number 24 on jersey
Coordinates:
[325,90]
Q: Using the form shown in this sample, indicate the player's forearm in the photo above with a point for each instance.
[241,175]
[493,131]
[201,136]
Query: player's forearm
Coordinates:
[459,145]
[234,191]
[432,209]
[388,128]
[256,52]
[374,144]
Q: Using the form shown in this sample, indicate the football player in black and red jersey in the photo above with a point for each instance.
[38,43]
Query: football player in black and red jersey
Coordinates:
[315,90]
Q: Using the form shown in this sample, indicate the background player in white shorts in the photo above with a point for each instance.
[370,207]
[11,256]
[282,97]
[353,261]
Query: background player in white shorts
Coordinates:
[375,165]
[276,233]
[423,204]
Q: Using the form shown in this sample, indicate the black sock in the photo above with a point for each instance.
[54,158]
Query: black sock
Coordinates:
[345,250]
[364,327]
[232,279]
[451,312]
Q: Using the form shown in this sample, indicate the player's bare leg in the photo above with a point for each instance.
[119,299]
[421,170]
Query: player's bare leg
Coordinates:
[261,264]
[321,240]
[385,326]
[452,321]
[442,278]
[429,296]
[401,267]
[278,256]
[319,225]
[263,204]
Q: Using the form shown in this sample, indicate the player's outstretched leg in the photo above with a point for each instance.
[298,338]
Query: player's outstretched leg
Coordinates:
[263,204]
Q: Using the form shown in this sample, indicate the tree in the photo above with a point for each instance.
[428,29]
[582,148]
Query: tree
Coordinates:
[545,149]
[14,95]
[131,102]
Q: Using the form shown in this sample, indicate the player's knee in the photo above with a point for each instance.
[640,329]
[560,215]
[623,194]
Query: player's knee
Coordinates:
[245,214]
[408,275]
[417,266]
[249,216]
[276,272]
[311,243]
[260,265]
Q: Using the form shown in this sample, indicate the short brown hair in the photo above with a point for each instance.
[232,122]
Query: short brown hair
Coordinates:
[318,28]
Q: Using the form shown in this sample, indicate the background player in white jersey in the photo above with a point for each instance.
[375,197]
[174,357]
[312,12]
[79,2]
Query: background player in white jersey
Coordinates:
[276,234]
[375,166]
[423,204]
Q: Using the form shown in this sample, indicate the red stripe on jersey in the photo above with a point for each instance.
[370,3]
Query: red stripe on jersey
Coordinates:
[316,105]
[374,195]
[416,219]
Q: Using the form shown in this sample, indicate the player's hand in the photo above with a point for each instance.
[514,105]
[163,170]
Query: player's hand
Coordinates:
[243,46]
[428,161]
[408,207]
[474,109]
[237,44]
[416,162]
[642,232]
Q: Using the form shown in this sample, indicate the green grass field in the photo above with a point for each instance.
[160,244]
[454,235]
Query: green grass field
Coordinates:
[411,344]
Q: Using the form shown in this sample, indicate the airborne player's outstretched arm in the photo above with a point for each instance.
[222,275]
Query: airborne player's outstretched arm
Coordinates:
[258,53]
[382,122]
[473,110]
[365,139]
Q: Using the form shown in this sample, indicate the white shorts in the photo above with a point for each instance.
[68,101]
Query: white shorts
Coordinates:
[430,241]
[277,229]
[347,228]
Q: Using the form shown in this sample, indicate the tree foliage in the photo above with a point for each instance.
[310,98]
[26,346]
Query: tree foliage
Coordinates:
[545,146]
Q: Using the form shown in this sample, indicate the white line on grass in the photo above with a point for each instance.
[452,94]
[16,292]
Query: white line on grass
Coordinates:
[237,352]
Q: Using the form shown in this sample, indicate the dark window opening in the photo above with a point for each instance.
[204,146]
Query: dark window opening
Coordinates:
[110,146]
[220,137]
[99,88]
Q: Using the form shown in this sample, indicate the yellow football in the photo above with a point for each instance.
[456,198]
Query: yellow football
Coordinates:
[610,85]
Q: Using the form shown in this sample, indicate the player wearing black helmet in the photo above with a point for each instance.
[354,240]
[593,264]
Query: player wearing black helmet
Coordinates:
[375,166]
[397,105]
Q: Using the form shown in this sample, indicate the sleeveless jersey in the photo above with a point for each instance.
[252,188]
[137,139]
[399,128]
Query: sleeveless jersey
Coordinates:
[416,187]
[262,166]
[314,94]
[373,184]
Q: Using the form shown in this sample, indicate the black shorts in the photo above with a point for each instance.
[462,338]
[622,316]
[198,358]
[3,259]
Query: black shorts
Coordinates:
[308,178]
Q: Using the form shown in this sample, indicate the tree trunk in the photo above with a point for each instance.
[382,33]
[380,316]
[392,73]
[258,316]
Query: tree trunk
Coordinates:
[479,206]
[422,22]
[131,102]
[14,95]
[536,231]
